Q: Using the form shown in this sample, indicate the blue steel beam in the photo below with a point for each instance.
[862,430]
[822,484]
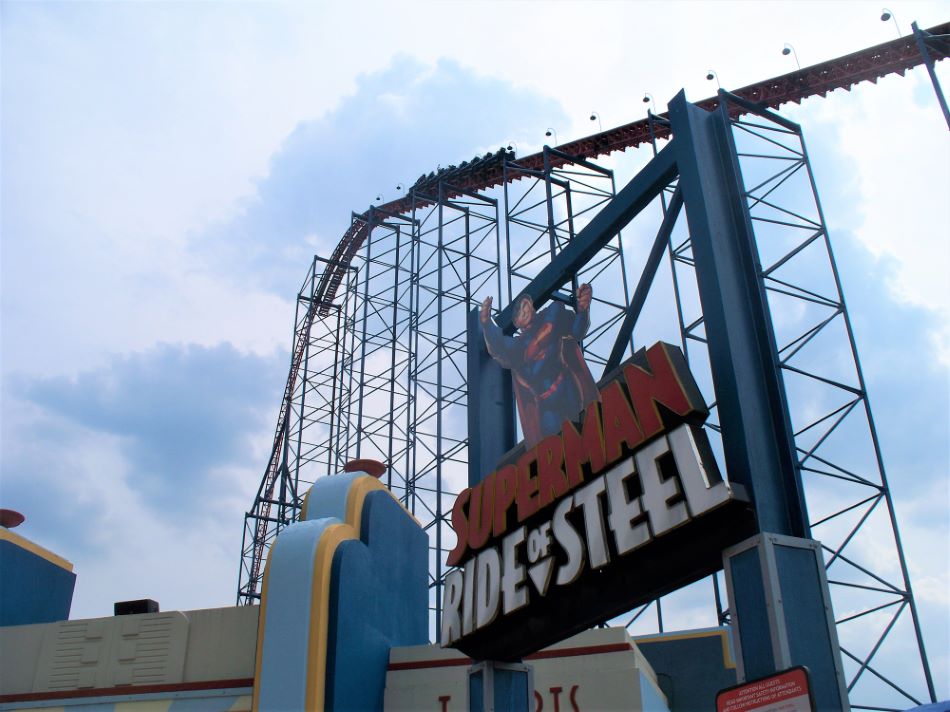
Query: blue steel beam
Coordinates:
[756,433]
[631,199]
[491,406]
[758,443]
[921,37]
[646,281]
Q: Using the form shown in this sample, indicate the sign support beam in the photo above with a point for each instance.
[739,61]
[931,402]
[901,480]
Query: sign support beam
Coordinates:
[778,620]
[777,588]
[757,436]
[491,406]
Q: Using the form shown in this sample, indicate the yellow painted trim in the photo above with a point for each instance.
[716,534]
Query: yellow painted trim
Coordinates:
[727,660]
[332,537]
[26,544]
[306,506]
[355,498]
[361,487]
[256,693]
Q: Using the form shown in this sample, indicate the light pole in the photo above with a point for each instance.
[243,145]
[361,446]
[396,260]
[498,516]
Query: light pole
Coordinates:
[789,50]
[888,15]
[648,99]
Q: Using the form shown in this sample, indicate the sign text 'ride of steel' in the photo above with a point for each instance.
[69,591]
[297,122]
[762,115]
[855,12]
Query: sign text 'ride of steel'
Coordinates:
[622,506]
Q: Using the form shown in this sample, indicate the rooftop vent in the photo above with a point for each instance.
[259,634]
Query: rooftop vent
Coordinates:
[128,608]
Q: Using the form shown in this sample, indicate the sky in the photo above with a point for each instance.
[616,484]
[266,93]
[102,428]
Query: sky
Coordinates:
[170,168]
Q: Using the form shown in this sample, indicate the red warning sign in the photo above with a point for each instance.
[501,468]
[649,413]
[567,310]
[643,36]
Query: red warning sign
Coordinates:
[787,691]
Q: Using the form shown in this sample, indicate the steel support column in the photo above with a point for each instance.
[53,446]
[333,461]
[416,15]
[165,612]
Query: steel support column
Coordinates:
[757,439]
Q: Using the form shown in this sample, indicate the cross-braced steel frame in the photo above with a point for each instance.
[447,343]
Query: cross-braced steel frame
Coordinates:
[838,452]
[313,433]
[384,375]
[379,368]
[837,449]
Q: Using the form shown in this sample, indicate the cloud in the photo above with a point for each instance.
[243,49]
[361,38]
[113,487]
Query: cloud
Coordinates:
[172,418]
[83,499]
[896,213]
[400,122]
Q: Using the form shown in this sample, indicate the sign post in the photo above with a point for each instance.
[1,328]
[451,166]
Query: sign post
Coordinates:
[500,687]
[778,619]
[777,588]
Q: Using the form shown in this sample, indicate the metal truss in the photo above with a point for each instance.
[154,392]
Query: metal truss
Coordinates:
[378,367]
[379,399]
[456,253]
[544,211]
[839,457]
[312,432]
[838,453]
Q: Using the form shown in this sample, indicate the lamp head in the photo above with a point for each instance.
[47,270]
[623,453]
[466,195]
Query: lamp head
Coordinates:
[786,51]
[710,76]
[885,16]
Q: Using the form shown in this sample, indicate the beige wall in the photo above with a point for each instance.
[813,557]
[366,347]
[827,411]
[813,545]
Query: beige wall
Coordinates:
[575,676]
[146,649]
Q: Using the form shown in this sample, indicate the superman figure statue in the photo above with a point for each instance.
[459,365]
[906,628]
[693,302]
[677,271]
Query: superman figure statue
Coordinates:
[551,380]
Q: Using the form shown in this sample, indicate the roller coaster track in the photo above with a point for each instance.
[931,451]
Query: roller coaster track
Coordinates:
[866,65]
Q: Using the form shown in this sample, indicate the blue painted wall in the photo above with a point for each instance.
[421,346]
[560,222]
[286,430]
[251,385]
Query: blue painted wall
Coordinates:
[378,599]
[341,588]
[32,589]
[690,669]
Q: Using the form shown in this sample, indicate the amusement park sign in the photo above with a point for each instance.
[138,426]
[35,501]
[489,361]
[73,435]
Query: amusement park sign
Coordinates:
[610,512]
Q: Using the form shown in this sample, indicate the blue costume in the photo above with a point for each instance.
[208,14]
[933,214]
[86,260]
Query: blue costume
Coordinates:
[552,382]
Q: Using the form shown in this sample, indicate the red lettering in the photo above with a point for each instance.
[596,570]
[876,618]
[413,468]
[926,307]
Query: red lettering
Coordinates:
[552,484]
[527,494]
[623,420]
[460,525]
[505,488]
[480,513]
[620,425]
[444,701]
[580,449]
[574,698]
[555,694]
[662,384]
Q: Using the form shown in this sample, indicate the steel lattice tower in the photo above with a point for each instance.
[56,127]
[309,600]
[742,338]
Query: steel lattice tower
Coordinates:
[379,359]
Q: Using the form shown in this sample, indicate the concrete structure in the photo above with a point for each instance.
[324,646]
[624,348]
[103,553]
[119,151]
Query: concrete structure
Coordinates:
[175,660]
[180,661]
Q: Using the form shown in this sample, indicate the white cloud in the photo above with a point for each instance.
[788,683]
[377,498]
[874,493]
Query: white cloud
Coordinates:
[894,136]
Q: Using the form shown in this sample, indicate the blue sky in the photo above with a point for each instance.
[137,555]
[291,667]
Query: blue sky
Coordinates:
[169,169]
